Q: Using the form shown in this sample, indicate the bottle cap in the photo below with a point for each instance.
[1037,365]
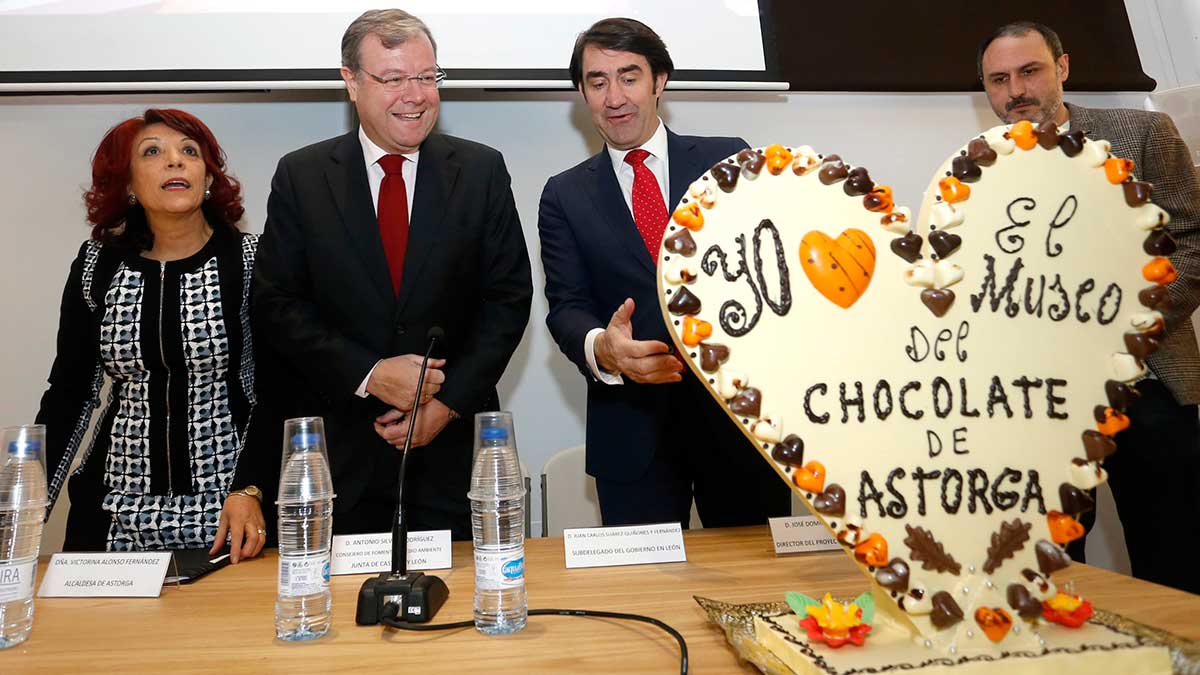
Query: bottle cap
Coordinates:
[305,439]
[22,446]
[494,434]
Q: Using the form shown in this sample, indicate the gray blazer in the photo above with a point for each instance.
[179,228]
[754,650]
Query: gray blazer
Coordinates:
[1151,140]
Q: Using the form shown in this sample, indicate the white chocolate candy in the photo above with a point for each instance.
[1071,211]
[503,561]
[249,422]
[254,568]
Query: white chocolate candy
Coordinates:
[768,428]
[1150,216]
[920,273]
[1088,475]
[1040,587]
[996,138]
[1146,321]
[901,224]
[703,193]
[946,274]
[945,216]
[852,533]
[917,600]
[730,382]
[1126,367]
[806,160]
[1095,152]
[680,271]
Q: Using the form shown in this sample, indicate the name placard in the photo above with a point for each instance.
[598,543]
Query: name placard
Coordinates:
[369,553]
[632,545]
[801,534]
[105,575]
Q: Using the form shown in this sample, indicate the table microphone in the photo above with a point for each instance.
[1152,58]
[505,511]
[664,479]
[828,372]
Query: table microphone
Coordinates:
[398,594]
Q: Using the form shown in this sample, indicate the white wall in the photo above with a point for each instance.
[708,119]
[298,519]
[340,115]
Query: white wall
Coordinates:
[47,141]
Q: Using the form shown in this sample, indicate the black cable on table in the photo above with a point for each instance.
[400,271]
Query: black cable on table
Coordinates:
[683,653]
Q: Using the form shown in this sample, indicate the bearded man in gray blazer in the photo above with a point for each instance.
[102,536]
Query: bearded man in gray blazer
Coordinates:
[1155,473]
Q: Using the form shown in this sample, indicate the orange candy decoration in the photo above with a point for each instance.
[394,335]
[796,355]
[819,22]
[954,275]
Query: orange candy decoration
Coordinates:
[873,551]
[1159,271]
[879,200]
[1023,135]
[810,477]
[995,622]
[689,216]
[839,269]
[953,190]
[1063,528]
[1118,170]
[1113,423]
[695,330]
[778,158]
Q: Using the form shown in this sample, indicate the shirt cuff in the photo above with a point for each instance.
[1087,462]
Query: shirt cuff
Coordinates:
[589,353]
[361,392]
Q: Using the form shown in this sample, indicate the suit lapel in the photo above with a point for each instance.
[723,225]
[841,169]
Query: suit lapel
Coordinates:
[685,166]
[605,194]
[437,172]
[347,177]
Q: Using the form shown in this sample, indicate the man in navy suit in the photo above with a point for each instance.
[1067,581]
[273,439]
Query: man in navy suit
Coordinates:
[655,437]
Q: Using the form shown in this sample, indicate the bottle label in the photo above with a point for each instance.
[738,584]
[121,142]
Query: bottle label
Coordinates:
[499,570]
[303,574]
[16,580]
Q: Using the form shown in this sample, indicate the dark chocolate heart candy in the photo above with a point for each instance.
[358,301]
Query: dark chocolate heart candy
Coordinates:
[908,246]
[944,243]
[1071,143]
[751,161]
[938,300]
[1155,297]
[747,402]
[1140,345]
[946,611]
[712,355]
[874,201]
[1137,192]
[726,176]
[1075,501]
[1050,557]
[1020,599]
[858,182]
[894,577]
[1047,135]
[684,302]
[1120,395]
[1158,242]
[681,242]
[1097,445]
[789,451]
[1100,413]
[832,170]
[965,169]
[981,152]
[831,502]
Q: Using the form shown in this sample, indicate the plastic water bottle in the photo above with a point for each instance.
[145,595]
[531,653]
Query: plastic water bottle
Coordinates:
[22,511]
[303,604]
[498,519]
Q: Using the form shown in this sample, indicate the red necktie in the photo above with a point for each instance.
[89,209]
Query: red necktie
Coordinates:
[649,211]
[393,216]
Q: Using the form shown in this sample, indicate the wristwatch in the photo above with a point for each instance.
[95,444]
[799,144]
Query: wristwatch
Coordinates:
[249,491]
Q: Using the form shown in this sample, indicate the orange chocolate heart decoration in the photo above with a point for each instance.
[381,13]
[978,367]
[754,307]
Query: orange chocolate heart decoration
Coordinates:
[840,269]
[995,622]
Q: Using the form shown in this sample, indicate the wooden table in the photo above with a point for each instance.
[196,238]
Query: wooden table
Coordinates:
[226,621]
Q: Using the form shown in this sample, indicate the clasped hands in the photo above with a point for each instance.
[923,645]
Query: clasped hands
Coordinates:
[643,361]
[394,381]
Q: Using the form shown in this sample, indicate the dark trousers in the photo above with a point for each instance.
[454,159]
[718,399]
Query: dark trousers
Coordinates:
[1155,481]
[700,454]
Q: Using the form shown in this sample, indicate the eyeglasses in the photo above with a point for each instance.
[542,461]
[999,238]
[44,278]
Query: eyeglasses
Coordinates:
[430,79]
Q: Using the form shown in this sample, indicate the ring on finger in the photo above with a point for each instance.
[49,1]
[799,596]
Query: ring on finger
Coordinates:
[261,531]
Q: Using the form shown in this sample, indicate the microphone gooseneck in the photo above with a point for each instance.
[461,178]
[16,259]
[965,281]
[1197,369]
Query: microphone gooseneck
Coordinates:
[400,527]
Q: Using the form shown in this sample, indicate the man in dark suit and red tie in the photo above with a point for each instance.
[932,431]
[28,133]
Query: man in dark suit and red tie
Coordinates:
[655,437]
[372,239]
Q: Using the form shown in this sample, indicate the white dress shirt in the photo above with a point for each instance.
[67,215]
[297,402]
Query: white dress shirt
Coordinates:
[659,165]
[375,173]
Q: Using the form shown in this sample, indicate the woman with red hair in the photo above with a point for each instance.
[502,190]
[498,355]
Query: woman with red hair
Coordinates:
[157,303]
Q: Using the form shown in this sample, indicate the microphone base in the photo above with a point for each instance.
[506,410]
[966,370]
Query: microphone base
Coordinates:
[418,596]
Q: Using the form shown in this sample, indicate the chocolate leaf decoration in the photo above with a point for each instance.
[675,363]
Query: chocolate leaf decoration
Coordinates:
[1006,541]
[928,551]
[799,603]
